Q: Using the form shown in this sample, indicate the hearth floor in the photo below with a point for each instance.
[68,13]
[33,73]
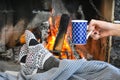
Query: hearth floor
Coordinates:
[9,66]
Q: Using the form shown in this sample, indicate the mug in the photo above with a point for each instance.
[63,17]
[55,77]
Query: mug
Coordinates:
[79,32]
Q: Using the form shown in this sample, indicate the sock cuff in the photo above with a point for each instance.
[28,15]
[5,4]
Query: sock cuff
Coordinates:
[41,60]
[37,56]
[51,62]
[29,35]
[23,52]
[43,55]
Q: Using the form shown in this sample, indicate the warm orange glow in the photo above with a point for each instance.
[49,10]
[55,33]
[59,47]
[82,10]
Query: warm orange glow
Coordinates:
[80,49]
[54,22]
[52,32]
[22,39]
[82,56]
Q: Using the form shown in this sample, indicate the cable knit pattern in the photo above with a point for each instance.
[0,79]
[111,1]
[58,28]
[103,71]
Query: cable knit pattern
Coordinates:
[23,51]
[37,54]
[28,36]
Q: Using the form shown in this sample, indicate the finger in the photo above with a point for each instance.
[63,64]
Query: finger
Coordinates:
[95,35]
[91,25]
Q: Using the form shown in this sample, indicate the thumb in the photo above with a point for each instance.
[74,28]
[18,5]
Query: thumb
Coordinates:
[91,28]
[91,25]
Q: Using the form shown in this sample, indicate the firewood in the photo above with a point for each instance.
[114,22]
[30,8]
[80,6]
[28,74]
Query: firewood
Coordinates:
[61,32]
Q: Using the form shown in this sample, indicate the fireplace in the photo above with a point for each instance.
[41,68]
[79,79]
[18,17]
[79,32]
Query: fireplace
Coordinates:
[38,16]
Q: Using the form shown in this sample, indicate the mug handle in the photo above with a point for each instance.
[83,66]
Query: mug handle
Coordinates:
[89,33]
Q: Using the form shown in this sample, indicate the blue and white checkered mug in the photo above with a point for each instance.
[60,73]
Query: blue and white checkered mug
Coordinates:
[79,32]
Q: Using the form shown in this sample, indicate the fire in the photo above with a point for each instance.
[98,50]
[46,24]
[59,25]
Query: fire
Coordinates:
[52,36]
[52,33]
[66,47]
[22,39]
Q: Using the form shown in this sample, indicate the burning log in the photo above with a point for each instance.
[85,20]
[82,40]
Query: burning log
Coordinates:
[58,52]
[61,32]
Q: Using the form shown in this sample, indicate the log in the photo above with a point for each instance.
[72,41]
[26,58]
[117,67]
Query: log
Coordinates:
[61,32]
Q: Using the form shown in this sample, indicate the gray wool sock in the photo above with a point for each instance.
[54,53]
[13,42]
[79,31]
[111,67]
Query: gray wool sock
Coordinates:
[51,62]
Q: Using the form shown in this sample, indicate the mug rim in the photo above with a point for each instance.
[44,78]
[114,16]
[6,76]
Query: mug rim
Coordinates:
[79,20]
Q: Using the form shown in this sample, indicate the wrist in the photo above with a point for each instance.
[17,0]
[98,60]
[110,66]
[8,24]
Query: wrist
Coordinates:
[115,31]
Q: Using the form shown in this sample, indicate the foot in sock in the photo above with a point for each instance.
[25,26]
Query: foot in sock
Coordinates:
[24,48]
[28,36]
[23,53]
[37,53]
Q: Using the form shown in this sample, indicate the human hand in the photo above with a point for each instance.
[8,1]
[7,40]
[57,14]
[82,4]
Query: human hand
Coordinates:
[100,29]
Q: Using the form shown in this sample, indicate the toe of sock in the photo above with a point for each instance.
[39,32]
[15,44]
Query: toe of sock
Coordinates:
[33,42]
[29,35]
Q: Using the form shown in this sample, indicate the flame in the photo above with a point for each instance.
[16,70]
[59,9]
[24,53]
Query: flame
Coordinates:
[52,36]
[54,22]
[52,33]
[22,39]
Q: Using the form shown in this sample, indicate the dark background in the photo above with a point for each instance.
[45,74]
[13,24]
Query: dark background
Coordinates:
[115,51]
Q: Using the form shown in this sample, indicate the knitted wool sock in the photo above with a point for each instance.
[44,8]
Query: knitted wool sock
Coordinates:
[51,63]
[28,36]
[23,60]
[23,53]
[33,42]
[37,53]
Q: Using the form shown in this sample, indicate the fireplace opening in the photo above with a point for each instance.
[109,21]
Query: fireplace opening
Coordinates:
[43,19]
